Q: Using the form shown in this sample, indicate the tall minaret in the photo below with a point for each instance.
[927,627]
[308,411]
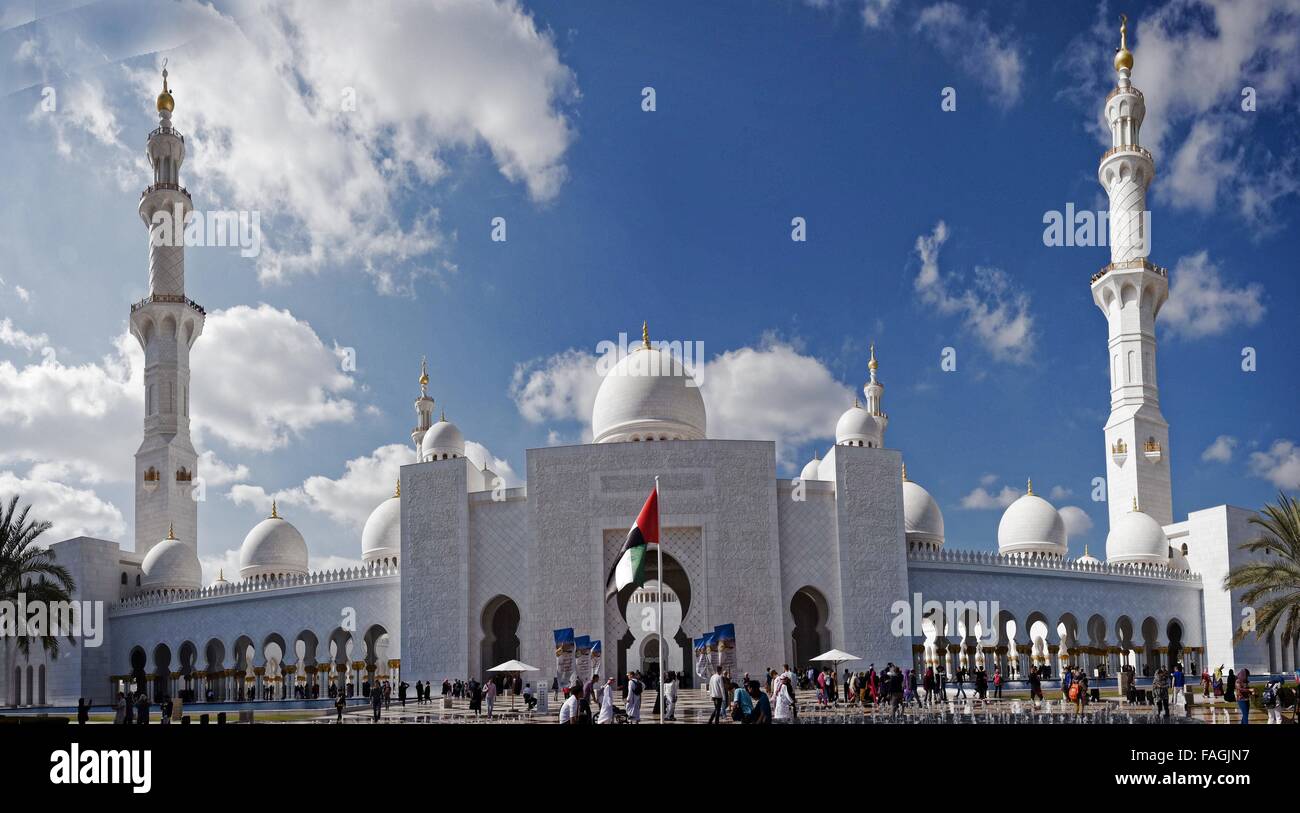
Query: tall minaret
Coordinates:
[166,324]
[1130,291]
[423,408]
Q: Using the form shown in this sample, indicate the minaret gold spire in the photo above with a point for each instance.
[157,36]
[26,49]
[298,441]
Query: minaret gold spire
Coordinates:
[424,376]
[166,103]
[1123,57]
[871,365]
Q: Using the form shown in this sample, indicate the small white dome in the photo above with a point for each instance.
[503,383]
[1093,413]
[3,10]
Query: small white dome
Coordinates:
[648,395]
[1088,558]
[273,548]
[381,538]
[858,427]
[811,469]
[1137,537]
[1031,526]
[443,440]
[171,565]
[922,519]
[826,469]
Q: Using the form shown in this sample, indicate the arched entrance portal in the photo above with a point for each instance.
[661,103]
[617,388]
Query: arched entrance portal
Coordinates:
[679,586]
[810,635]
[500,633]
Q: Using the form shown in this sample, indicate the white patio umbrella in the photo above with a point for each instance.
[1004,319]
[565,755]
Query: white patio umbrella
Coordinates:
[835,656]
[513,666]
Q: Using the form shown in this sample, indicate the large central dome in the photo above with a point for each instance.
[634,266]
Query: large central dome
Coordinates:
[648,395]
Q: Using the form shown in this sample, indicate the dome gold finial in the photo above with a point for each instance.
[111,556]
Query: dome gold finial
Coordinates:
[904,472]
[1135,502]
[1123,57]
[645,335]
[166,103]
[424,375]
[397,492]
[171,531]
[274,514]
[871,365]
[1029,486]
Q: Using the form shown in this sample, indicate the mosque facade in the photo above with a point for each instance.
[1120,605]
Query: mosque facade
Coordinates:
[460,573]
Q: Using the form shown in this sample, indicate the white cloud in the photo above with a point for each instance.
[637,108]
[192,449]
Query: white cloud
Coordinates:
[366,481]
[74,511]
[991,309]
[990,57]
[262,376]
[1220,451]
[216,472]
[265,98]
[767,392]
[1077,522]
[560,387]
[16,337]
[1201,303]
[81,421]
[1280,465]
[1061,493]
[981,499]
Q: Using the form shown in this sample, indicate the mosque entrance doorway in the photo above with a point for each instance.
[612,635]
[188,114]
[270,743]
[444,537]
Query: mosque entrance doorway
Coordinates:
[810,636]
[500,633]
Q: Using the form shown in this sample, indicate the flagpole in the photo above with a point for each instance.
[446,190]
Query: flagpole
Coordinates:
[663,650]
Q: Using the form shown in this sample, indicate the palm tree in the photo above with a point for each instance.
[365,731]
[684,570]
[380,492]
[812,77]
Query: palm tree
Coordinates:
[1272,586]
[31,570]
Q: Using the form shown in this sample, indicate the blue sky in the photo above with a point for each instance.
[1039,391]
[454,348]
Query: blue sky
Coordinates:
[377,238]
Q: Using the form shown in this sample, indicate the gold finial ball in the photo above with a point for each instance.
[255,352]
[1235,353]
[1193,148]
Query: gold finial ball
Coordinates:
[1123,60]
[166,103]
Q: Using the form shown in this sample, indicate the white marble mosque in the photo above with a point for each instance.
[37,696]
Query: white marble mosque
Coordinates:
[460,573]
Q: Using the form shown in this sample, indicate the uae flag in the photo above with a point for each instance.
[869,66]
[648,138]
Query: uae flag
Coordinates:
[629,568]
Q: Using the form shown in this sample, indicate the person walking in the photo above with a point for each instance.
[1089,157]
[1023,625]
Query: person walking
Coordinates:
[742,705]
[783,706]
[340,703]
[1035,687]
[1179,682]
[1243,694]
[83,711]
[895,691]
[1273,701]
[1230,687]
[119,710]
[717,693]
[142,709]
[569,710]
[635,687]
[670,696]
[376,701]
[1160,686]
[997,683]
[490,695]
[606,703]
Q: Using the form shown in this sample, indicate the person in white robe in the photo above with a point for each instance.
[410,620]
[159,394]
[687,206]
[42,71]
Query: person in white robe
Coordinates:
[606,703]
[634,689]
